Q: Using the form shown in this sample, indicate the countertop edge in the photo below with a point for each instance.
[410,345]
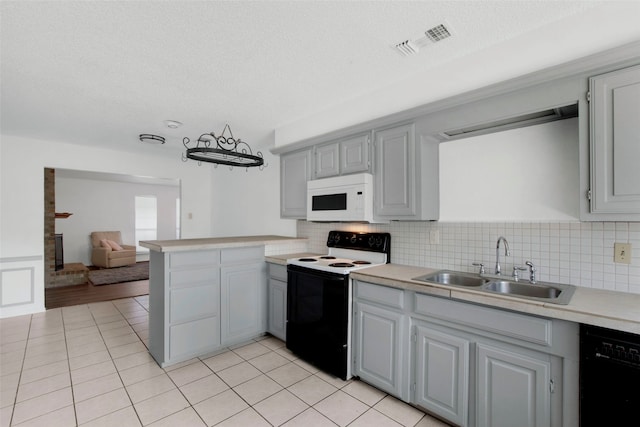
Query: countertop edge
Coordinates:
[205,243]
[579,310]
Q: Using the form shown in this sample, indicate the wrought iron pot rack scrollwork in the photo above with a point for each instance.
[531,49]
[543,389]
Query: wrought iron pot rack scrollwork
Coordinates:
[226,151]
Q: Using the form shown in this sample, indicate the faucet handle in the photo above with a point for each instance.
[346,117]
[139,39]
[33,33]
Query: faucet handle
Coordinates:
[532,272]
[517,268]
[481,265]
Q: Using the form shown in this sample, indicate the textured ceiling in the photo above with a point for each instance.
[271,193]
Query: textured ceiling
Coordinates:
[102,72]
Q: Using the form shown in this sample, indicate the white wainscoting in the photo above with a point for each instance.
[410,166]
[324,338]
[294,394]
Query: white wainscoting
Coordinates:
[21,285]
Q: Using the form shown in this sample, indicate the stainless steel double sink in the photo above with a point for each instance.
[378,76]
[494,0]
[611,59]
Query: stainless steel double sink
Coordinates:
[540,291]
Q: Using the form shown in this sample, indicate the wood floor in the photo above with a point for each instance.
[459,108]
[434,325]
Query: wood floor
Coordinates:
[88,293]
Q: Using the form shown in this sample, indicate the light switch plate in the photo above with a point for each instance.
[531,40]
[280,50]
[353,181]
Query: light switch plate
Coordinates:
[622,253]
[434,237]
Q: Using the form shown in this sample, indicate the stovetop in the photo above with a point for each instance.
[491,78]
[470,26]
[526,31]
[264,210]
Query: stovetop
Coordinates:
[349,252]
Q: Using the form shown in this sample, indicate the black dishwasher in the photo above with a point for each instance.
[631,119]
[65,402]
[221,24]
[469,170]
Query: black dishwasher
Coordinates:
[609,377]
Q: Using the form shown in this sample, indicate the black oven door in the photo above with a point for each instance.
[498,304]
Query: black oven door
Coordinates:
[317,318]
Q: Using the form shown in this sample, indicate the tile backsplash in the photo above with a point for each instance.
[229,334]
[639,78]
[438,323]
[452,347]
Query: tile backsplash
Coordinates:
[577,253]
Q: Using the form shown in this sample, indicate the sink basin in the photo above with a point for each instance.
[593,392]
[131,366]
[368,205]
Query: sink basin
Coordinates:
[445,277]
[525,290]
[555,293]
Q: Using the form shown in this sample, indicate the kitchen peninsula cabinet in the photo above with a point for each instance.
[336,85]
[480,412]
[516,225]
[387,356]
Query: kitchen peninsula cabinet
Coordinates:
[615,143]
[242,294]
[203,300]
[295,171]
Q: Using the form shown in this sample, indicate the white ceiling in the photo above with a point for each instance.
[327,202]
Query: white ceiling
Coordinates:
[102,72]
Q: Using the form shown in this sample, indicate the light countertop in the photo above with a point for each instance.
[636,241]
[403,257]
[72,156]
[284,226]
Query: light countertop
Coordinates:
[181,245]
[609,309]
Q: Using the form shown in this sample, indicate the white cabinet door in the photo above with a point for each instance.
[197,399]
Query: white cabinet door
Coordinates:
[395,173]
[379,341]
[513,387]
[354,154]
[295,171]
[442,374]
[327,160]
[242,302]
[615,142]
[278,309]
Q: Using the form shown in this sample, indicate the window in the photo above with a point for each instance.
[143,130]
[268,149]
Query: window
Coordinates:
[146,220]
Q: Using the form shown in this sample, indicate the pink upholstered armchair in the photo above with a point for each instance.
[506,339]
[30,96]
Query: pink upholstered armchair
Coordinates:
[108,251]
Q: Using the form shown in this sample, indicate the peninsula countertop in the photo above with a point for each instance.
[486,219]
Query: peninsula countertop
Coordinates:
[599,307]
[205,243]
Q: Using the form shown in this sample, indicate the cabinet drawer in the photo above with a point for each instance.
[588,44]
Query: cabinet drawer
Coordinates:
[194,338]
[234,255]
[527,328]
[193,303]
[182,278]
[278,272]
[184,259]
[384,295]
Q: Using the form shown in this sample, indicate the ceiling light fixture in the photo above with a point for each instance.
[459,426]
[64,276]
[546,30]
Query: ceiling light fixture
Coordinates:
[226,151]
[172,124]
[151,139]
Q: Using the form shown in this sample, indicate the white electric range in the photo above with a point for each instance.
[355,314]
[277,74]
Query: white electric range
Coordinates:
[319,298]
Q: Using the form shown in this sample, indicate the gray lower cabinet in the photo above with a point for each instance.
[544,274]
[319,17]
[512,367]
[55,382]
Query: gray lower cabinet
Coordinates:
[380,349]
[277,300]
[469,364]
[442,361]
[242,302]
[200,301]
[514,387]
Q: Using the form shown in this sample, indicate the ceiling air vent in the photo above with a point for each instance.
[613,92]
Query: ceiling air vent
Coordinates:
[432,35]
[438,33]
[406,48]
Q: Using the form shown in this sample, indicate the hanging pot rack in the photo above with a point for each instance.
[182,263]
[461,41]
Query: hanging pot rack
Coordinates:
[222,150]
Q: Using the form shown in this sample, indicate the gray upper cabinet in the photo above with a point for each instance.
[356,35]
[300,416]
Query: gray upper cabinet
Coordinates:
[406,174]
[295,171]
[342,157]
[615,143]
[327,160]
[395,172]
[354,154]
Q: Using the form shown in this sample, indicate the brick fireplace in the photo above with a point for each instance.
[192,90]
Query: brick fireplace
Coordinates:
[72,273]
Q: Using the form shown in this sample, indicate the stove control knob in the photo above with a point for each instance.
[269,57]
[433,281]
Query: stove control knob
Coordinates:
[372,241]
[354,238]
[379,241]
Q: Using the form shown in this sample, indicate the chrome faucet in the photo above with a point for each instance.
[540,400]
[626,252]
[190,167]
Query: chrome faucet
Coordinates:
[506,253]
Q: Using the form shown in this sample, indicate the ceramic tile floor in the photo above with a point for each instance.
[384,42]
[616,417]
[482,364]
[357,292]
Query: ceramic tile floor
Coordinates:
[89,365]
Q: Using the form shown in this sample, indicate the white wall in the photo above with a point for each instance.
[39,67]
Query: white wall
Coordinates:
[247,201]
[526,174]
[103,205]
[22,164]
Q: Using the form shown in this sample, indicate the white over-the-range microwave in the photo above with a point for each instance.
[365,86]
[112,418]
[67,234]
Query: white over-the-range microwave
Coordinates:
[341,198]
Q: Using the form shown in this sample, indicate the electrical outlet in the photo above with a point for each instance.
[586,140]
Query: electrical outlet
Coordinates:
[622,253]
[434,237]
